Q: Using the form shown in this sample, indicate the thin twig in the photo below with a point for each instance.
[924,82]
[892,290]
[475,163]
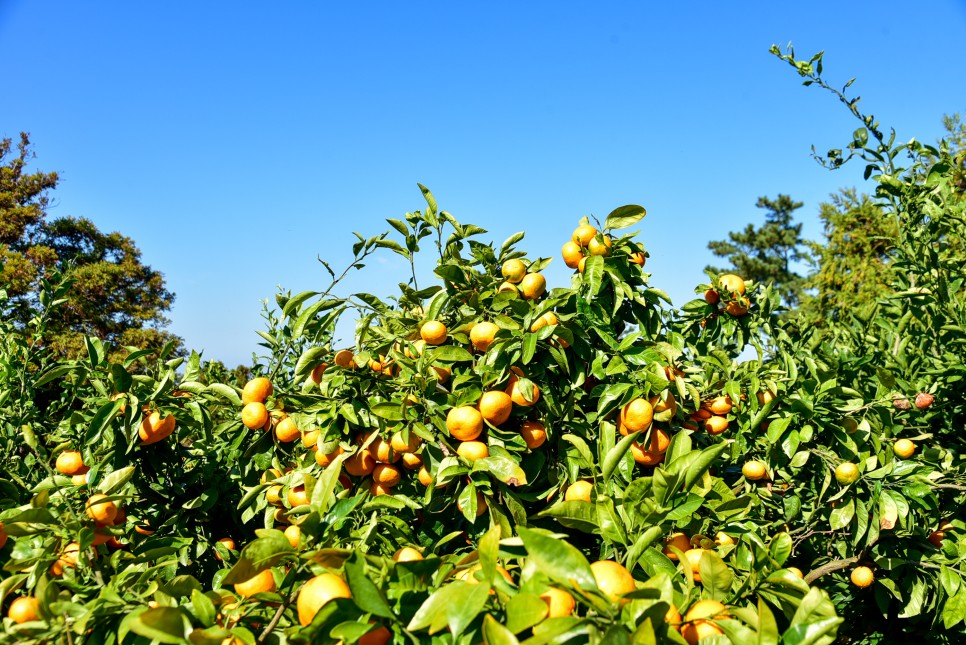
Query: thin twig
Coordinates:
[270,627]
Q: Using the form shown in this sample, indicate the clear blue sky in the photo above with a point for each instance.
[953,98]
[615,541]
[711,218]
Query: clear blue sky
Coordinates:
[238,141]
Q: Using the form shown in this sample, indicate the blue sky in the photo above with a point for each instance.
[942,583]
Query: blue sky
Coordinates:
[236,142]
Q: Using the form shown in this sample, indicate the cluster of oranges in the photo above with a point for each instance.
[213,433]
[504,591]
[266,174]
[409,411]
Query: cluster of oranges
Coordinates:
[530,286]
[586,241]
[712,416]
[736,303]
[257,415]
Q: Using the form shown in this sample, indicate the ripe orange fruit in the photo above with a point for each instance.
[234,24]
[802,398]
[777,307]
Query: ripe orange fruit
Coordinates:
[495,406]
[317,372]
[613,579]
[411,461]
[754,470]
[401,445]
[376,489]
[425,478]
[846,473]
[559,602]
[517,391]
[534,433]
[738,307]
[732,283]
[572,255]
[229,544]
[862,577]
[716,424]
[678,540]
[581,265]
[310,438]
[693,557]
[79,479]
[417,349]
[263,582]
[254,415]
[637,258]
[383,452]
[297,496]
[407,554]
[24,609]
[637,415]
[482,334]
[257,389]
[433,332]
[480,504]
[767,396]
[723,539]
[596,246]
[378,636]
[904,448]
[583,234]
[697,622]
[579,491]
[663,402]
[154,429]
[508,287]
[547,319]
[464,423]
[294,535]
[673,618]
[69,462]
[386,475]
[796,572]
[646,457]
[360,464]
[514,270]
[343,358]
[3,536]
[287,431]
[101,509]
[273,495]
[68,558]
[711,297]
[720,405]
[532,286]
[473,450]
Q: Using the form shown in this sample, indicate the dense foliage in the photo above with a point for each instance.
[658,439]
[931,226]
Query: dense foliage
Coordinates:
[504,461]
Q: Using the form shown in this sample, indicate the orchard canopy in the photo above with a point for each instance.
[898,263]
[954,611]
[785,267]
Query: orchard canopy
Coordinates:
[501,460]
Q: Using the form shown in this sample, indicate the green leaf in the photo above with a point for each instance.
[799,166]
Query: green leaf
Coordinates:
[226,392]
[503,468]
[716,577]
[365,594]
[615,454]
[767,626]
[556,558]
[162,624]
[842,515]
[496,634]
[624,216]
[450,354]
[204,609]
[523,611]
[115,480]
[593,275]
[389,411]
[954,609]
[265,551]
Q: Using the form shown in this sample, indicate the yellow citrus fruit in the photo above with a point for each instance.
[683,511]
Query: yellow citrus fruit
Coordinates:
[294,535]
[532,286]
[315,593]
[325,458]
[433,332]
[715,424]
[297,496]
[639,259]
[263,582]
[411,461]
[559,602]
[572,255]
[738,307]
[360,464]
[343,358]
[402,445]
[637,415]
[517,391]
[732,283]
[469,574]
[766,396]
[723,539]
[514,270]
[382,451]
[287,431]
[862,577]
[464,423]
[386,475]
[904,448]
[310,438]
[482,334]
[508,287]
[678,540]
[228,543]
[376,489]
[154,429]
[24,609]
[673,618]
[495,406]
[796,572]
[583,234]
[547,319]
[473,450]
[693,557]
[101,509]
[69,462]
[598,247]
[581,264]
[425,478]
[534,433]
[317,372]
[664,402]
[257,389]
[846,473]
[579,491]
[697,622]
[754,470]
[407,554]
[613,579]
[720,405]
[254,415]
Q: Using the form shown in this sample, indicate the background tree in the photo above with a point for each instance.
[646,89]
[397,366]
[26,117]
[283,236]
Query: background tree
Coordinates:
[766,254]
[114,295]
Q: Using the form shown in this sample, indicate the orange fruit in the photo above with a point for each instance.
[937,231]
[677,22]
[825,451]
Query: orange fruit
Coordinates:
[711,297]
[401,445]
[473,450]
[254,415]
[433,332]
[417,349]
[723,539]
[637,415]
[613,579]
[383,452]
[297,496]
[862,577]
[378,636]
[24,609]
[101,509]
[653,454]
[508,287]
[559,602]
[846,473]
[257,389]
[637,258]
[904,448]
[796,572]
[663,402]
[678,540]
[754,470]
[716,424]
[79,479]
[360,464]
[69,462]
[693,557]
[273,495]
[442,373]
[514,270]
[154,429]
[3,536]
[481,335]
[480,504]
[583,234]
[310,438]
[572,255]
[697,622]
[287,431]
[495,406]
[294,535]
[534,433]
[532,286]
[317,372]
[386,475]
[411,461]
[68,558]
[517,391]
[376,489]
[344,358]
[464,423]
[229,544]
[425,478]
[599,246]
[673,618]
[263,582]
[732,283]
[579,491]
[720,405]
[738,307]
[547,319]
[581,264]
[766,396]
[407,554]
